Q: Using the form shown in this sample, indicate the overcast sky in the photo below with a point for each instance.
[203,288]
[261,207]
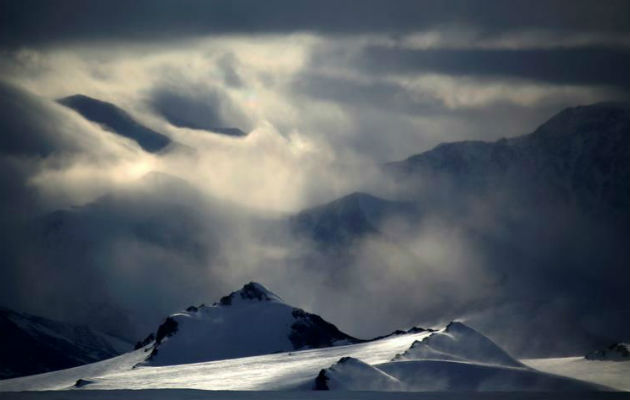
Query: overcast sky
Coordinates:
[326,90]
[378,80]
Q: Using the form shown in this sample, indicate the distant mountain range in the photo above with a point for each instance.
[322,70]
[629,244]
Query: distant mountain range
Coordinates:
[32,345]
[577,158]
[547,211]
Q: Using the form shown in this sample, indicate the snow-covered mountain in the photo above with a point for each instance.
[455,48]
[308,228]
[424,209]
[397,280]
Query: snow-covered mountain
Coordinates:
[250,321]
[116,120]
[458,342]
[440,375]
[363,366]
[32,344]
[578,157]
[353,374]
[454,358]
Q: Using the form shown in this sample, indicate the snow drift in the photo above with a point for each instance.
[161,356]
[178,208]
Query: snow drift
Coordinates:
[455,358]
[458,342]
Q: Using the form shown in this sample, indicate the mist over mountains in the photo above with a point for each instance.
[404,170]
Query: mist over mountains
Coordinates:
[508,235]
[439,191]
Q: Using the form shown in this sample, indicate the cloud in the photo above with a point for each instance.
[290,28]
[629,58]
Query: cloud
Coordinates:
[47,138]
[466,38]
[228,64]
[323,108]
[34,136]
[200,108]
[580,66]
[38,23]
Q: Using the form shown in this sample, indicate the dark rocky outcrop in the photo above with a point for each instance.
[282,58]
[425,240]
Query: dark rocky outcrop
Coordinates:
[312,331]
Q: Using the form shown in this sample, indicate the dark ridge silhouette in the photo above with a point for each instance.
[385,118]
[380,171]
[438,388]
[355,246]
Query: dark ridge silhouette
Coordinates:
[116,120]
[32,345]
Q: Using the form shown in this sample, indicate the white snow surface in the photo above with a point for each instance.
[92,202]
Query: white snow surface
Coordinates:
[441,375]
[613,374]
[190,394]
[369,368]
[248,322]
[353,374]
[456,358]
[221,332]
[458,342]
[280,371]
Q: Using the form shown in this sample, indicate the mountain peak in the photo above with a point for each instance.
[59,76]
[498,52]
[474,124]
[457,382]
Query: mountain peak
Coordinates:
[458,342]
[250,321]
[250,292]
[590,120]
[457,326]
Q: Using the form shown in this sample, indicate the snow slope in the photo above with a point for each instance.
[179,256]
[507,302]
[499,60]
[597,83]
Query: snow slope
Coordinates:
[456,358]
[237,343]
[609,373]
[438,375]
[362,366]
[190,394]
[458,342]
[250,321]
[352,374]
[267,372]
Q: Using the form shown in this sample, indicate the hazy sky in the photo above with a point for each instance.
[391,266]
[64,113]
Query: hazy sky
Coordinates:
[327,91]
[317,84]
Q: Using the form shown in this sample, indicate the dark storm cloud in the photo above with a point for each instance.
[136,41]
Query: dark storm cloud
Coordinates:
[374,93]
[580,66]
[207,109]
[33,22]
[381,111]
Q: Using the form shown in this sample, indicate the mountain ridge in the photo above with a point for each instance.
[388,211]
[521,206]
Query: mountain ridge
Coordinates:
[32,344]
[579,147]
